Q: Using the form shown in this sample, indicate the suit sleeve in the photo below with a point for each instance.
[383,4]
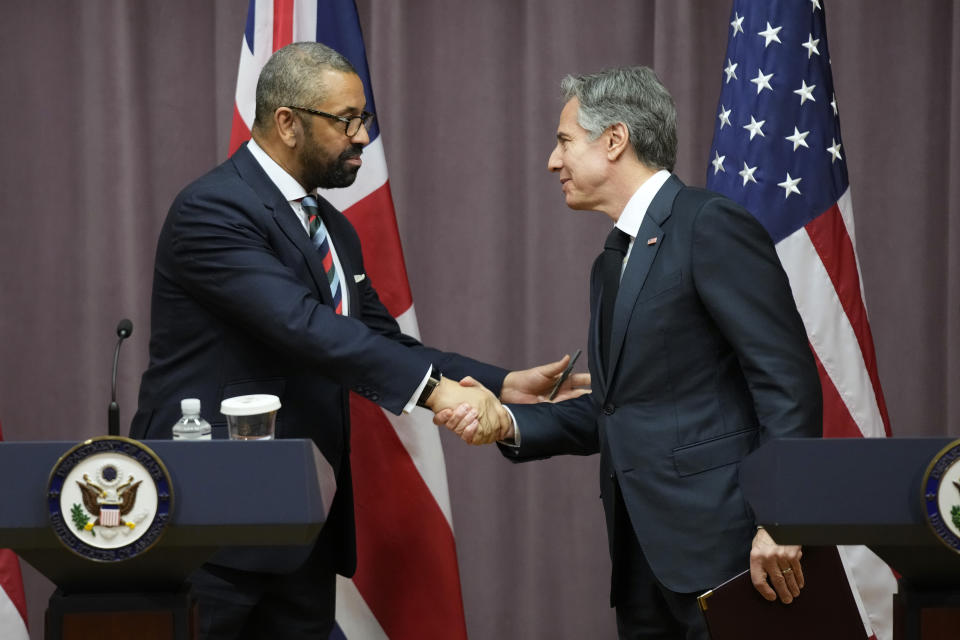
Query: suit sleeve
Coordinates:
[744,288]
[549,429]
[222,255]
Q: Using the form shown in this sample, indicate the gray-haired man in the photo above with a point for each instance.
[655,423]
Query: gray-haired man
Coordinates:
[697,355]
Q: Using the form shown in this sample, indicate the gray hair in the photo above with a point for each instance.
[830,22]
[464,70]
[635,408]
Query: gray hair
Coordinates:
[291,78]
[635,97]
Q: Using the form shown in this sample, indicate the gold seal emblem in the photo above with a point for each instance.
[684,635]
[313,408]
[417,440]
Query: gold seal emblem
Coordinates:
[941,495]
[109,498]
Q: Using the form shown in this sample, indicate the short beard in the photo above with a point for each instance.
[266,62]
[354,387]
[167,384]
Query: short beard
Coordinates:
[337,175]
[325,174]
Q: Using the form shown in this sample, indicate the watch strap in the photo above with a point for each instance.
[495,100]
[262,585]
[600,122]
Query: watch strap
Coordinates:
[432,382]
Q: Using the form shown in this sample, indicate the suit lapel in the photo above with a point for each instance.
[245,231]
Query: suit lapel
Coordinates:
[638,266]
[253,174]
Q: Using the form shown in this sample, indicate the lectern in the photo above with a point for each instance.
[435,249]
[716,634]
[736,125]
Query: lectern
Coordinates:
[225,494]
[860,491]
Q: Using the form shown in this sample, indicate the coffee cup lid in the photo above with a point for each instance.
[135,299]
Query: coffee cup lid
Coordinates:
[249,405]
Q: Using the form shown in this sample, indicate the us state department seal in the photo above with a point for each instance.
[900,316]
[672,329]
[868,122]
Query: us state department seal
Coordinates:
[109,499]
[941,495]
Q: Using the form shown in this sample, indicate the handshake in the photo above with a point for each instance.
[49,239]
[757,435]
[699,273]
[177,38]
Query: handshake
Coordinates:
[472,411]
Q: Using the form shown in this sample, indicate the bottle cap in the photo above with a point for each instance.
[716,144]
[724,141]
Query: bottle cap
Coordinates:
[190,405]
[249,405]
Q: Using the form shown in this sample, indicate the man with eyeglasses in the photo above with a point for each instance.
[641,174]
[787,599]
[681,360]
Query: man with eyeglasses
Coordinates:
[259,287]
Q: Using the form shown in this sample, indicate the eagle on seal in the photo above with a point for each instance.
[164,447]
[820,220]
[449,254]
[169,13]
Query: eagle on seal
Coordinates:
[97,500]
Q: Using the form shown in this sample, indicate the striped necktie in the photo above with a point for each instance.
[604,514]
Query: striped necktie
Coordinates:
[321,240]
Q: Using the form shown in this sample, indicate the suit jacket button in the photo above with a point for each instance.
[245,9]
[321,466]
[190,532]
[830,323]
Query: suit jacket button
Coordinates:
[608,409]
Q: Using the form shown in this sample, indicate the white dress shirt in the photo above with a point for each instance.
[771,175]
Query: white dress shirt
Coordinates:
[632,215]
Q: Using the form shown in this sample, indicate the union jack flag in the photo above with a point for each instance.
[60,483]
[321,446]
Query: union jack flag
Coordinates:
[778,151]
[13,601]
[407,583]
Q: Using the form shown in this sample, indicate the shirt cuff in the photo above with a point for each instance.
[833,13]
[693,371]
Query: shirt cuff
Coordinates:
[515,442]
[416,394]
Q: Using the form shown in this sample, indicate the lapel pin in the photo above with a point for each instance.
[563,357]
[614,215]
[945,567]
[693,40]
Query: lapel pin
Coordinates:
[652,241]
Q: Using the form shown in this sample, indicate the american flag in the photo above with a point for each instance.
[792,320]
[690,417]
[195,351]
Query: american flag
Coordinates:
[407,583]
[13,602]
[777,150]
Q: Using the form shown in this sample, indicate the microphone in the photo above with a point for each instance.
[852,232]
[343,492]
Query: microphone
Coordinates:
[124,329]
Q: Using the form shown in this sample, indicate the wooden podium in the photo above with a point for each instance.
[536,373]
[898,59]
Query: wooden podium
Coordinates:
[863,491]
[225,494]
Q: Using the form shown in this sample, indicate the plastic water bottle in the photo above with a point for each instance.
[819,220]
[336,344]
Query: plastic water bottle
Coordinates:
[191,426]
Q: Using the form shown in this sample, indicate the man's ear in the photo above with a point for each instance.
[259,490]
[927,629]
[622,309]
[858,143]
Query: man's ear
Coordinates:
[617,140]
[288,126]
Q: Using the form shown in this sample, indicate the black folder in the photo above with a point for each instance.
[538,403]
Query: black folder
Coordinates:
[824,610]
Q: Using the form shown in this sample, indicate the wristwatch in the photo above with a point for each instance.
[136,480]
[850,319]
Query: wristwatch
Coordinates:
[432,383]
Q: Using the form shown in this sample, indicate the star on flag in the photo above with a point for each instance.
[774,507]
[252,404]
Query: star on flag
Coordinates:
[777,115]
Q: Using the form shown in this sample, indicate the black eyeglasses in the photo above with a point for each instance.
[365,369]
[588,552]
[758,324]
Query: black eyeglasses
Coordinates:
[351,124]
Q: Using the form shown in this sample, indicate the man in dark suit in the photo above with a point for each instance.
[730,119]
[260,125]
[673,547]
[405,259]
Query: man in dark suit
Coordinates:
[246,301]
[697,355]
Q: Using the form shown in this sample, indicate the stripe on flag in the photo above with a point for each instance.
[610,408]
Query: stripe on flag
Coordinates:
[407,582]
[364,624]
[13,601]
[777,150]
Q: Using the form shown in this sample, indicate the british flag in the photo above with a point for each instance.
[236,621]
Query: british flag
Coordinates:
[13,601]
[777,150]
[407,583]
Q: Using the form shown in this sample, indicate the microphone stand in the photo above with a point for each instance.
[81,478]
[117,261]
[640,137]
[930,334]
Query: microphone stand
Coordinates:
[124,329]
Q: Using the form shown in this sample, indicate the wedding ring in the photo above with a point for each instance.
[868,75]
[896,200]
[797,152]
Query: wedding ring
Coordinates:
[786,571]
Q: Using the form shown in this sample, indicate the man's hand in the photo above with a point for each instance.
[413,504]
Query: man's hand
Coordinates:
[464,418]
[481,418]
[781,564]
[534,385]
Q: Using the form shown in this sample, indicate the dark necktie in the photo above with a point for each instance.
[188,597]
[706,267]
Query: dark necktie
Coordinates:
[321,240]
[611,265]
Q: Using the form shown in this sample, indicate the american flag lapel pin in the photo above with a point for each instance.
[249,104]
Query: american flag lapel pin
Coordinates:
[652,241]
